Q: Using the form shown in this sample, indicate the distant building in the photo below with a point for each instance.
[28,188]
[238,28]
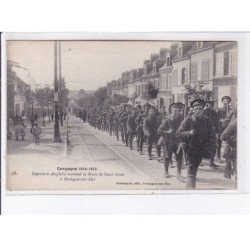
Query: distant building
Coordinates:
[181,71]
[208,65]
[202,64]
[131,86]
[151,73]
[166,81]
[18,94]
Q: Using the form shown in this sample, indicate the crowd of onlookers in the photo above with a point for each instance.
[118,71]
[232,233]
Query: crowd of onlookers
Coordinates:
[17,128]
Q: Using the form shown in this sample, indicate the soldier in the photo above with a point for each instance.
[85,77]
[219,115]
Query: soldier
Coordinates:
[198,133]
[229,153]
[139,128]
[150,127]
[160,118]
[213,116]
[171,144]
[222,113]
[131,127]
[123,124]
[229,135]
[116,123]
[110,120]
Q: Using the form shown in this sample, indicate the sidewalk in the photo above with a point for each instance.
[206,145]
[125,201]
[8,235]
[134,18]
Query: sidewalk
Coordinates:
[47,146]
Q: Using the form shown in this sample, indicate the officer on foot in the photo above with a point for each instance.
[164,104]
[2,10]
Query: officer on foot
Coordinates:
[198,133]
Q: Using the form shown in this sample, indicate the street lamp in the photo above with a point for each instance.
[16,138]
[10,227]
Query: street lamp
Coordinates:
[57,137]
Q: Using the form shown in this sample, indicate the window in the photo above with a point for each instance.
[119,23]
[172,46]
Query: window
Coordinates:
[154,69]
[164,81]
[219,64]
[170,81]
[168,61]
[175,77]
[226,63]
[205,69]
[184,76]
[194,71]
[233,62]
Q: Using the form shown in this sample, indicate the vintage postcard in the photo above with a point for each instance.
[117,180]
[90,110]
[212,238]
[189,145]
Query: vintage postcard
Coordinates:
[120,115]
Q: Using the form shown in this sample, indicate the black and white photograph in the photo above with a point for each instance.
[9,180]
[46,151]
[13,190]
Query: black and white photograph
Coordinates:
[121,115]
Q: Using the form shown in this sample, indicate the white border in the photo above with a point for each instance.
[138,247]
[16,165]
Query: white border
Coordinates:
[243,91]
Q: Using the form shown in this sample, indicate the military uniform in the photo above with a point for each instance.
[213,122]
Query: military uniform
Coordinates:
[170,142]
[160,118]
[229,135]
[123,126]
[139,132]
[110,121]
[222,114]
[199,135]
[213,116]
[116,124]
[150,127]
[131,129]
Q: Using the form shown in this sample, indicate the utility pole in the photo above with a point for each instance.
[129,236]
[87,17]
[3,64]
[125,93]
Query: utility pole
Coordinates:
[57,137]
[60,85]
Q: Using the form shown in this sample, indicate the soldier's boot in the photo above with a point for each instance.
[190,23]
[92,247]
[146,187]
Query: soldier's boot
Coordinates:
[179,167]
[150,153]
[158,149]
[191,182]
[218,154]
[171,162]
[131,144]
[126,140]
[141,147]
[227,172]
[122,136]
[166,165]
[138,145]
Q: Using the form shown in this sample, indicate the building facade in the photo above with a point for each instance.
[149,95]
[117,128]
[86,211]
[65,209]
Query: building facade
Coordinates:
[206,65]
[225,71]
[18,95]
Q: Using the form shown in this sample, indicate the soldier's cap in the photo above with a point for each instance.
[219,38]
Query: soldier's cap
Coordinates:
[197,102]
[147,105]
[152,107]
[138,106]
[176,105]
[210,102]
[226,97]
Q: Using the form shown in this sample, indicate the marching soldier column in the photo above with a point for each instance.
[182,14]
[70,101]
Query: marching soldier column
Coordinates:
[194,138]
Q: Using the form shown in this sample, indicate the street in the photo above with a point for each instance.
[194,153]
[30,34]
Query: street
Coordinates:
[105,162]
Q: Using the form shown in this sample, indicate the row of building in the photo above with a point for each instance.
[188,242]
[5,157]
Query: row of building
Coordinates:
[18,94]
[208,65]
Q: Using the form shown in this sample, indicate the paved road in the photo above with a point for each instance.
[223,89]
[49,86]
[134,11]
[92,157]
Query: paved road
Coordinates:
[102,163]
[94,148]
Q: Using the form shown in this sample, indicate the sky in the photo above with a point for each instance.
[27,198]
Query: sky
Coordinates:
[85,64]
